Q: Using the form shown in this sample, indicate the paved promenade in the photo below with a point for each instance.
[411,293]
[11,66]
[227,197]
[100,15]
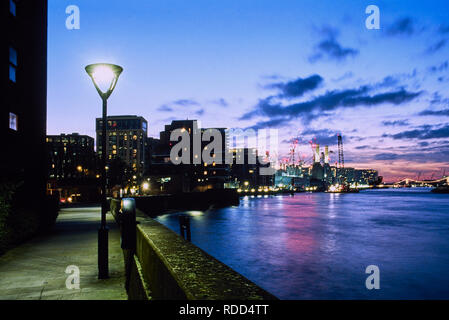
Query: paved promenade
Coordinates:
[36,269]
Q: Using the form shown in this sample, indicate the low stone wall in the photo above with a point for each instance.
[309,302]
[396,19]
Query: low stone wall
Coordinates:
[158,204]
[166,267]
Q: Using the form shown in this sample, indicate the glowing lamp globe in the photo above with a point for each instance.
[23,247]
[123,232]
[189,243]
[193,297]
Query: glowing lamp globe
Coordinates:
[104,77]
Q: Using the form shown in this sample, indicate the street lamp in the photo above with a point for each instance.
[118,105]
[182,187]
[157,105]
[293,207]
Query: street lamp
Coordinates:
[104,77]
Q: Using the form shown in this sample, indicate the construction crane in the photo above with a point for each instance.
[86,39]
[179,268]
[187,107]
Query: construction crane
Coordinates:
[292,152]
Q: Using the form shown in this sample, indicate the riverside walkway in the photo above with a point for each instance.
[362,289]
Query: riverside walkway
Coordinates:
[36,269]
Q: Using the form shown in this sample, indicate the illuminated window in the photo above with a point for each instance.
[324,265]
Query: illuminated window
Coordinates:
[12,64]
[12,7]
[13,121]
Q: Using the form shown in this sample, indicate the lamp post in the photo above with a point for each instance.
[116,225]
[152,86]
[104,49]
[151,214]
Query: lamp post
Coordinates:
[104,77]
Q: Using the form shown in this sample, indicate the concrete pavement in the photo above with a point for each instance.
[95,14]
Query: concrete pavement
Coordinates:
[36,269]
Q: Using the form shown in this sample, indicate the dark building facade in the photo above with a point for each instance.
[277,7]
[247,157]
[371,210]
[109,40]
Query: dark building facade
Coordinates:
[245,169]
[126,140]
[226,168]
[183,177]
[72,168]
[71,157]
[23,83]
[198,175]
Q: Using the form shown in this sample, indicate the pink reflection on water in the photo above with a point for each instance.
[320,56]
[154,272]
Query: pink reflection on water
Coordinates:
[300,216]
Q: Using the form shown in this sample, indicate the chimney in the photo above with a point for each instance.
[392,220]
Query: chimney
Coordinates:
[326,154]
[317,154]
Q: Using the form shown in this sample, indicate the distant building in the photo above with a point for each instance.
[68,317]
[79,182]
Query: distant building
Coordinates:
[346,175]
[295,176]
[72,167]
[245,169]
[214,175]
[126,140]
[161,150]
[23,87]
[191,126]
[367,176]
[151,151]
[71,156]
[197,175]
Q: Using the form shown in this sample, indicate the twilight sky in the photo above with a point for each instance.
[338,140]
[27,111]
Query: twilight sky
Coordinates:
[308,68]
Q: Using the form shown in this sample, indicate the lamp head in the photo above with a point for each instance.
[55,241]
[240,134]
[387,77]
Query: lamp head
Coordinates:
[104,77]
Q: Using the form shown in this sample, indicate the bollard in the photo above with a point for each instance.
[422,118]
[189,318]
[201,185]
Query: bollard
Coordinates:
[128,235]
[128,224]
[184,226]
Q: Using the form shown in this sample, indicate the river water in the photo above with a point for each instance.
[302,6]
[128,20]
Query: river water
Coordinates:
[318,245]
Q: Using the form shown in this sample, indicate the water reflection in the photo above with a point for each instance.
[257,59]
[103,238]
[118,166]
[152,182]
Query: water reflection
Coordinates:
[317,245]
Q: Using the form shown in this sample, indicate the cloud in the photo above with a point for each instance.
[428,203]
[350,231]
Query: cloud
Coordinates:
[386,156]
[444,113]
[165,108]
[437,99]
[323,137]
[199,112]
[423,152]
[272,77]
[185,102]
[425,132]
[423,144]
[362,147]
[181,102]
[347,75]
[436,46]
[439,68]
[330,48]
[221,102]
[273,123]
[443,29]
[419,156]
[389,81]
[298,87]
[402,26]
[396,123]
[323,104]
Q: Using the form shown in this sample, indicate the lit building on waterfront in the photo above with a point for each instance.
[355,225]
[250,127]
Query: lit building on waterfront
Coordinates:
[245,169]
[197,175]
[346,174]
[367,176]
[126,140]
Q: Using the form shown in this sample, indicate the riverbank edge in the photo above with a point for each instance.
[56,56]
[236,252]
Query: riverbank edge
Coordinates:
[171,268]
